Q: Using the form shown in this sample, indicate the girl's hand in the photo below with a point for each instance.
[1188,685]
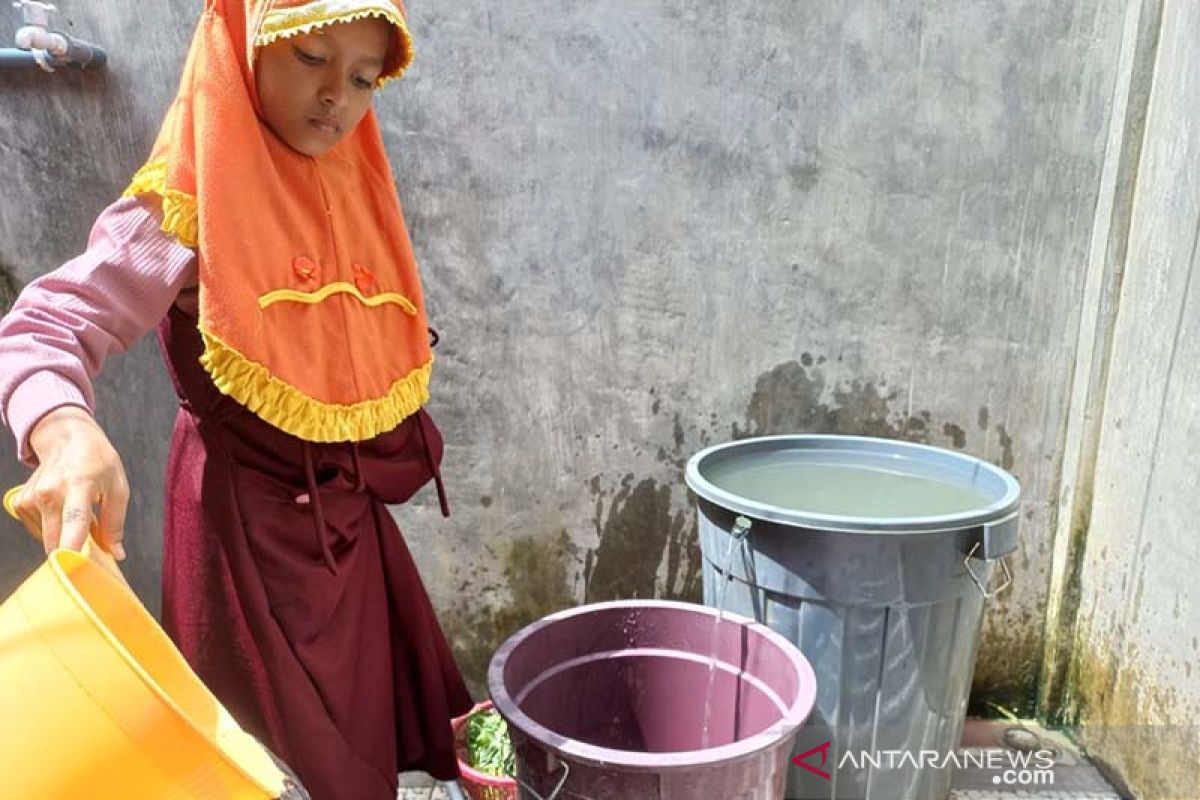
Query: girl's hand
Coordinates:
[78,469]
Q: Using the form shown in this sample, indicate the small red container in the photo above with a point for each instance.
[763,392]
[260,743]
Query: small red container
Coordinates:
[478,785]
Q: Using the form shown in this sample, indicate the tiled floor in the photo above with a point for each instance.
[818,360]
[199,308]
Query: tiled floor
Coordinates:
[432,793]
[421,787]
[1074,778]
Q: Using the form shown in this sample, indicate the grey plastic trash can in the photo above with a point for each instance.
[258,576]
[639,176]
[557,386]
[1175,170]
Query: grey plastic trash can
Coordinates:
[879,575]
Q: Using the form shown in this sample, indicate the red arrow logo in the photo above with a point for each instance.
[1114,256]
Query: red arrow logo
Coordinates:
[823,749]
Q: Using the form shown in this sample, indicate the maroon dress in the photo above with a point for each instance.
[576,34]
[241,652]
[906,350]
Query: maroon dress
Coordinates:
[289,589]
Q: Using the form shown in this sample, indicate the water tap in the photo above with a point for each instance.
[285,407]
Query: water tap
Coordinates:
[35,34]
[53,49]
[35,13]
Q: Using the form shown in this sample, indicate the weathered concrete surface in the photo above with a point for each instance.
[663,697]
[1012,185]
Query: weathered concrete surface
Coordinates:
[1135,680]
[1094,344]
[651,230]
[651,227]
[68,145]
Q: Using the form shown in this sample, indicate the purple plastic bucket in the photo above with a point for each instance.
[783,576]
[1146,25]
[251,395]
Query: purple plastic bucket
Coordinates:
[606,702]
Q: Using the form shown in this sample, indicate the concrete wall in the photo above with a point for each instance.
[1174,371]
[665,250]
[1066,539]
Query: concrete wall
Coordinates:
[650,231]
[68,144]
[650,226]
[1134,677]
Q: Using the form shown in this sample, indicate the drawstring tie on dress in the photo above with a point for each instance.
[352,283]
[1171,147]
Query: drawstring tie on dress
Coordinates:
[313,496]
[314,500]
[443,503]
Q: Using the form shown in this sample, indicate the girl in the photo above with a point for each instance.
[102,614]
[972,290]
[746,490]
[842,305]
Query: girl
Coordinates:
[266,235]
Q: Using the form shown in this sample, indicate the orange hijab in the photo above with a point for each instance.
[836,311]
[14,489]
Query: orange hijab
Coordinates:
[310,302]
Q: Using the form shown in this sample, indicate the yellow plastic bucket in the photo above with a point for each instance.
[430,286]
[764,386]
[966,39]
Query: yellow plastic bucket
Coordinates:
[96,702]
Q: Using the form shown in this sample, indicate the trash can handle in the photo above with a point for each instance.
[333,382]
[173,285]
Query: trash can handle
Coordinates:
[566,772]
[998,540]
[978,583]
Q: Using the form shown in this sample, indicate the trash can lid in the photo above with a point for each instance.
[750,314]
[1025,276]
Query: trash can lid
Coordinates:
[853,484]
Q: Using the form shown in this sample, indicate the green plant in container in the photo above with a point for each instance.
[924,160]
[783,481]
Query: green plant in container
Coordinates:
[489,749]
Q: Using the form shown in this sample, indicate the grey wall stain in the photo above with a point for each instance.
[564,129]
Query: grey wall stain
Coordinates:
[794,398]
[958,437]
[637,531]
[803,176]
[706,158]
[647,527]
[1006,670]
[537,582]
[1006,450]
[677,433]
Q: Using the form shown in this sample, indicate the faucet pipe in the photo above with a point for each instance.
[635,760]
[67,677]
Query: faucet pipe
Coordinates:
[49,49]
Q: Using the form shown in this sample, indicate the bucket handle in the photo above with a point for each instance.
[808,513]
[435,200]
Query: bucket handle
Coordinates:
[561,781]
[978,583]
[998,540]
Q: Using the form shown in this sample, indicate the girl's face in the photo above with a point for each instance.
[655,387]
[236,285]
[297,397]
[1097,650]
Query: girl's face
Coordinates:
[314,88]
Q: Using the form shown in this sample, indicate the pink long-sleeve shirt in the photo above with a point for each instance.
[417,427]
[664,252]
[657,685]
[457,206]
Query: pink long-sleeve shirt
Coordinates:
[65,324]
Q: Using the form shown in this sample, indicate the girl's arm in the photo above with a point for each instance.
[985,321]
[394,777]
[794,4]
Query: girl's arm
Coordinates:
[53,343]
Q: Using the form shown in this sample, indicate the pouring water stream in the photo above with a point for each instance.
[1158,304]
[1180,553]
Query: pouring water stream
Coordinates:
[737,535]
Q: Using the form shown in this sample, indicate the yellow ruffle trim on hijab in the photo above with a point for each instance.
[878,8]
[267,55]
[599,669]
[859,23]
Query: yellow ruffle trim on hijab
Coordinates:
[290,410]
[178,208]
[280,23]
